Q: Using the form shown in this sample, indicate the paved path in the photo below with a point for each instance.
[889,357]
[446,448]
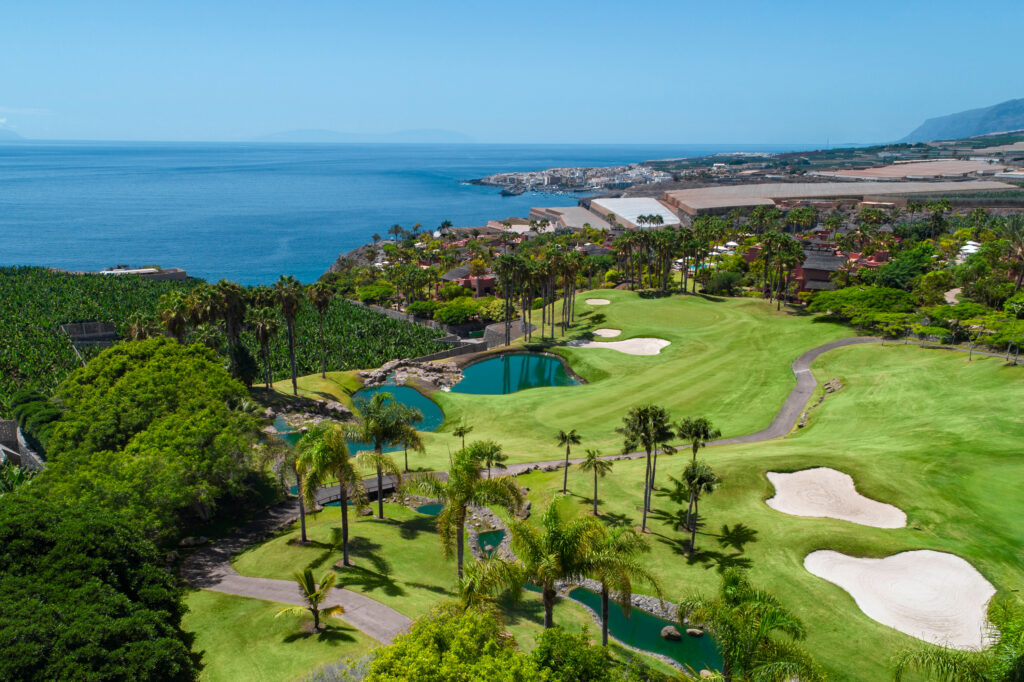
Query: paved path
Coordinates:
[210,569]
[951,296]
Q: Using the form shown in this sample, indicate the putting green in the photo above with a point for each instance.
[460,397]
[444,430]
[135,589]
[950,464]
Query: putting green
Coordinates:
[924,430]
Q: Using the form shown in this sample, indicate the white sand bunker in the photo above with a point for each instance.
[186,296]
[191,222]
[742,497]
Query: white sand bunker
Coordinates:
[598,301]
[607,333]
[934,596]
[639,346]
[824,492]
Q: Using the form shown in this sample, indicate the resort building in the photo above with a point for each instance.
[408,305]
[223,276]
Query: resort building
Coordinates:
[477,285]
[628,212]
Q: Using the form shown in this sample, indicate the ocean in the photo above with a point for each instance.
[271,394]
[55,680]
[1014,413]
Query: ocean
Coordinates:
[250,212]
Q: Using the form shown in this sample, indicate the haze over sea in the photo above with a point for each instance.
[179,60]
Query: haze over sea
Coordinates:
[251,212]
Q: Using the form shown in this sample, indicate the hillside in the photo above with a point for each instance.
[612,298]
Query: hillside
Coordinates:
[1008,115]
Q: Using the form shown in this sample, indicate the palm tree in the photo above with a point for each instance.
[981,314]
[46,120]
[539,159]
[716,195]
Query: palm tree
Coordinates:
[461,431]
[1003,661]
[746,624]
[568,439]
[600,467]
[289,296]
[698,431]
[616,565]
[314,596]
[1012,230]
[647,426]
[264,325]
[231,305]
[381,421]
[483,582]
[411,439]
[698,479]
[464,488]
[560,550]
[488,454]
[323,455]
[320,295]
[174,313]
[287,459]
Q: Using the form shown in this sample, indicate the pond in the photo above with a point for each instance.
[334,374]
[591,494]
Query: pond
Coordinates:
[430,509]
[490,539]
[432,415]
[643,631]
[513,372]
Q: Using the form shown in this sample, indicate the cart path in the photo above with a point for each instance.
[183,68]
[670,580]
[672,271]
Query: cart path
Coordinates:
[210,568]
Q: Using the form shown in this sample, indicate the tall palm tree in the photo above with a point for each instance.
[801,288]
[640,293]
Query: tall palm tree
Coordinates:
[323,455]
[289,297]
[616,565]
[600,467]
[568,439]
[231,305]
[756,635]
[264,325]
[314,596]
[1003,661]
[287,459]
[462,489]
[559,550]
[646,426]
[698,432]
[381,421]
[698,479]
[320,294]
[411,438]
[174,313]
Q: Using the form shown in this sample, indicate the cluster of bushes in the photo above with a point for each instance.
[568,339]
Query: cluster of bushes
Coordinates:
[461,309]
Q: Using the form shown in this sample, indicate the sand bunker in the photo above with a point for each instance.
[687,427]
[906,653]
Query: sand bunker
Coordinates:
[824,492]
[933,596]
[607,333]
[640,346]
[598,301]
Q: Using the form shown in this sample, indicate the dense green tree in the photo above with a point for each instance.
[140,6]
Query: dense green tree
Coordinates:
[85,597]
[321,295]
[289,298]
[488,453]
[264,325]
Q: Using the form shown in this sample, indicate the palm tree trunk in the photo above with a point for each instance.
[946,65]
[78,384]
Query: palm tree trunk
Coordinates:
[565,474]
[460,542]
[693,526]
[647,478]
[595,492]
[323,349]
[343,487]
[380,490]
[604,614]
[291,355]
[406,451]
[302,512]
[689,513]
[654,471]
[548,597]
[316,618]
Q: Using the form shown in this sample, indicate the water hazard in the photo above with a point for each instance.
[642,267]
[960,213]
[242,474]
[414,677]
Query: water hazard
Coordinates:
[513,372]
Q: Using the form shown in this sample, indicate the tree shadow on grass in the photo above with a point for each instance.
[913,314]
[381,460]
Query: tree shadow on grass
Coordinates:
[615,519]
[329,548]
[527,610]
[436,589]
[360,579]
[329,634]
[410,530]
[736,537]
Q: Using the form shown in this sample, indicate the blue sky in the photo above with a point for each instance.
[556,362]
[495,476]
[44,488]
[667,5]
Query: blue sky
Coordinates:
[569,72]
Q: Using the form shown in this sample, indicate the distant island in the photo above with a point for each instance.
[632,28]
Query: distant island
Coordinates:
[419,136]
[1004,117]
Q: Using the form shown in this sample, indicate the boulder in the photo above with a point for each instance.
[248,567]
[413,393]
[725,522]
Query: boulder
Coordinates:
[705,674]
[670,633]
[694,632]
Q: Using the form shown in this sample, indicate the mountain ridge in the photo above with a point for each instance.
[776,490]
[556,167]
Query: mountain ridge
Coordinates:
[1005,116]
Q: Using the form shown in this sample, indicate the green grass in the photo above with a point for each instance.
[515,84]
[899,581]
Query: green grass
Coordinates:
[338,386]
[399,563]
[921,429]
[729,360]
[242,640]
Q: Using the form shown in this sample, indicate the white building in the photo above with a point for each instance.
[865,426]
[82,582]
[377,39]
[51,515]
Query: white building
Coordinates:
[627,211]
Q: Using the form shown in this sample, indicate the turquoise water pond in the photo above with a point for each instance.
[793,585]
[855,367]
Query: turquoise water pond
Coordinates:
[490,539]
[643,631]
[430,509]
[513,372]
[432,415]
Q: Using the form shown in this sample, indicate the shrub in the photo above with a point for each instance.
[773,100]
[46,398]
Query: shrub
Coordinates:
[855,301]
[452,291]
[612,276]
[494,310]
[422,308]
[378,292]
[723,283]
[457,311]
[570,657]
